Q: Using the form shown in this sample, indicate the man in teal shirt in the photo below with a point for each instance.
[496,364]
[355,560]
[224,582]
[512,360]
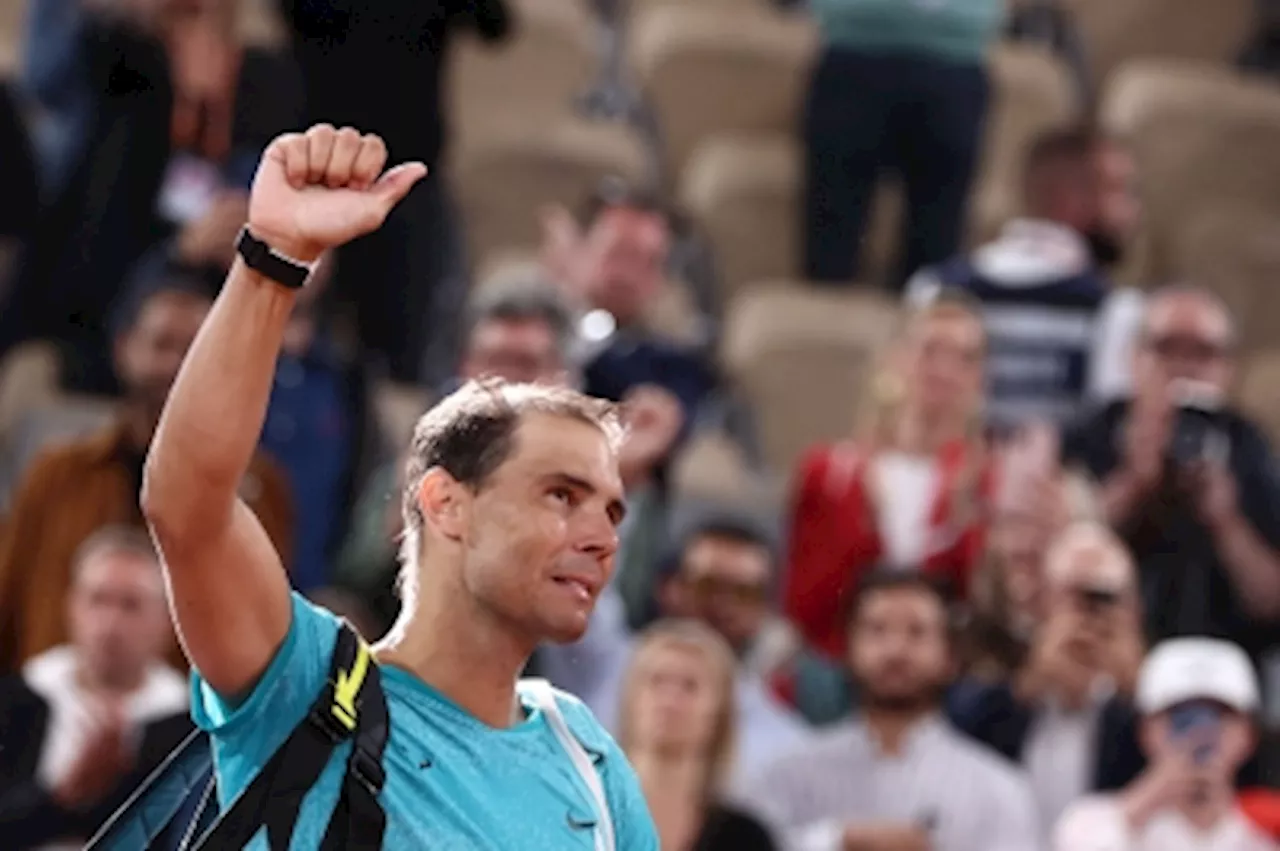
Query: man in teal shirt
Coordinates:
[902,85]
[511,524]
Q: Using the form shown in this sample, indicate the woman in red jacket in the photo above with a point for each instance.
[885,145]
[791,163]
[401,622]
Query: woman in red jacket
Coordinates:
[910,489]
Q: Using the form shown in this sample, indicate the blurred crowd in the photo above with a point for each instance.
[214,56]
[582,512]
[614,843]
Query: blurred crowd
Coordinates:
[943,331]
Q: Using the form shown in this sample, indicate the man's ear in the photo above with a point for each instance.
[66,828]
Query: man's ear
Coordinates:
[445,503]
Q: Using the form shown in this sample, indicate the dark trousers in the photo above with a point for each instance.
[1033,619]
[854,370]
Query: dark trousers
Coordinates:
[406,283]
[865,113]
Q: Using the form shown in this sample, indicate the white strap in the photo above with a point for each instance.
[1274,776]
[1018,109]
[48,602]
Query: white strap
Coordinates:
[545,698]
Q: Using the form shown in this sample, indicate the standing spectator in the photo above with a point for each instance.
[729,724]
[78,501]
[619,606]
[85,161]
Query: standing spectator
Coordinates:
[899,85]
[360,62]
[74,489]
[1066,715]
[85,721]
[1059,335]
[677,728]
[1193,494]
[908,491]
[179,112]
[899,777]
[1197,697]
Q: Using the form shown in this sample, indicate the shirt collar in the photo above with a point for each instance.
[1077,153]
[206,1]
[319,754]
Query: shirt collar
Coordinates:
[922,735]
[1030,251]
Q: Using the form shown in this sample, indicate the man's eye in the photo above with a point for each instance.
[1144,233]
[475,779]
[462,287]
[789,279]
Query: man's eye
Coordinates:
[562,495]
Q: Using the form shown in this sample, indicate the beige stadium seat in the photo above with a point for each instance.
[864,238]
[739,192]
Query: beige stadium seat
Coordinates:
[712,467]
[260,24]
[1119,31]
[550,59]
[502,184]
[800,357]
[45,425]
[1236,252]
[704,72]
[1256,393]
[397,408]
[640,7]
[28,379]
[12,16]
[1032,92]
[1205,138]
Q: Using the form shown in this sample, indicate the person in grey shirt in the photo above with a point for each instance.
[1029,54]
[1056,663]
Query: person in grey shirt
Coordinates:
[898,778]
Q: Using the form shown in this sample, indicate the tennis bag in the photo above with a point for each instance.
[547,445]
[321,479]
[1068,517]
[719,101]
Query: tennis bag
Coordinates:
[176,805]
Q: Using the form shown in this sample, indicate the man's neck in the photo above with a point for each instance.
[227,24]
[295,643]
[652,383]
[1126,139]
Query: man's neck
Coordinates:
[111,688]
[462,653]
[890,728]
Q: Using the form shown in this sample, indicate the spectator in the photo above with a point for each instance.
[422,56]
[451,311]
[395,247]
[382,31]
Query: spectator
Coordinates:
[1193,494]
[74,489]
[400,276]
[677,728]
[899,777]
[1197,697]
[1059,334]
[717,561]
[613,260]
[320,429]
[1066,715]
[903,86]
[85,721]
[17,174]
[178,112]
[910,489]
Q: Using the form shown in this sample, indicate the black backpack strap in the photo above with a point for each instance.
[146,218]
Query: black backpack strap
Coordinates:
[157,802]
[351,703]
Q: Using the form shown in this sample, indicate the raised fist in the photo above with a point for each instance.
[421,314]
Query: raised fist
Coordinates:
[323,188]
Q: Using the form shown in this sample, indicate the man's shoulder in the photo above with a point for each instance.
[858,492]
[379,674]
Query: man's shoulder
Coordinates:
[994,771]
[582,722]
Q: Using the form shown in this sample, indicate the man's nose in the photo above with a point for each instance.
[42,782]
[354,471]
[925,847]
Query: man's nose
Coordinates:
[597,534]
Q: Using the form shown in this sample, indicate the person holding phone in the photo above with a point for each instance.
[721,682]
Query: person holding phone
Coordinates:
[1197,697]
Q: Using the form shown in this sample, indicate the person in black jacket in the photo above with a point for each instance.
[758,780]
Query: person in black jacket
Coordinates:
[17,170]
[85,722]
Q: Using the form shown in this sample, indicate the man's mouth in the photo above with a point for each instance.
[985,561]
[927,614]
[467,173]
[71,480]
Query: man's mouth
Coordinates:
[582,589]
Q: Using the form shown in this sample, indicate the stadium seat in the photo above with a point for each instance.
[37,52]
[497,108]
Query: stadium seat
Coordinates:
[536,75]
[1032,92]
[260,24]
[800,356]
[28,379]
[1256,393]
[502,183]
[397,408]
[12,15]
[1205,138]
[57,420]
[640,7]
[1235,250]
[1115,33]
[704,72]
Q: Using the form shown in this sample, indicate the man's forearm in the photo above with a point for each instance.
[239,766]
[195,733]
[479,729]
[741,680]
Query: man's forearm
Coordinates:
[1252,565]
[214,415]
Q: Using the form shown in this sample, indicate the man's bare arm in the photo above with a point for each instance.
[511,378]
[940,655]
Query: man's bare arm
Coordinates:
[228,591]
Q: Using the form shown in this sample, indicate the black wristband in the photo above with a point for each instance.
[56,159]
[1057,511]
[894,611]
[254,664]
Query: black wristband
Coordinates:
[264,259]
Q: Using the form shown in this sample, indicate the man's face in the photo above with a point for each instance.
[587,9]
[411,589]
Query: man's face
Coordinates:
[149,354]
[118,620]
[544,529]
[1091,586]
[725,582]
[516,350]
[623,258]
[899,649]
[1186,337]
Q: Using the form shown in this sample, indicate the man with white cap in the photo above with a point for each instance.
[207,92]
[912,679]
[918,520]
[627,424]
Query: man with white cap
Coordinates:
[1197,697]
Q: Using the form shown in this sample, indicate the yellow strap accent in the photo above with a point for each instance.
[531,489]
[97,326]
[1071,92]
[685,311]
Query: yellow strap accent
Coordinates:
[348,686]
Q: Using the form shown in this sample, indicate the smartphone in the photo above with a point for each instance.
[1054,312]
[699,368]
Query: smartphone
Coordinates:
[1203,721]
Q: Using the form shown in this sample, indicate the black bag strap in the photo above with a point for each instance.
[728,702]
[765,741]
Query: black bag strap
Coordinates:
[351,704]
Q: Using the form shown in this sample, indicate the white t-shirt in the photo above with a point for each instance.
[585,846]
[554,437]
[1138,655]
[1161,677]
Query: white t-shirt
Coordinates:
[1097,823]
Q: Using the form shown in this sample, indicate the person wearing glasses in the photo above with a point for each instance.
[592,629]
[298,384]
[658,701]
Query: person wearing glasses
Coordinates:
[1187,481]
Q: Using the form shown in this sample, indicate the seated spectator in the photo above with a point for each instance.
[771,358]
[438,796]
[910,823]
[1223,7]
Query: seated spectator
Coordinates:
[178,110]
[899,776]
[1058,333]
[71,490]
[1197,697]
[85,721]
[677,729]
[1188,482]
[613,260]
[899,86]
[1066,715]
[723,579]
[320,430]
[909,489]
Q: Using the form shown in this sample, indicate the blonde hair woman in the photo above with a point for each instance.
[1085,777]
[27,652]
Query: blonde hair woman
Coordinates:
[909,489]
[677,727]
